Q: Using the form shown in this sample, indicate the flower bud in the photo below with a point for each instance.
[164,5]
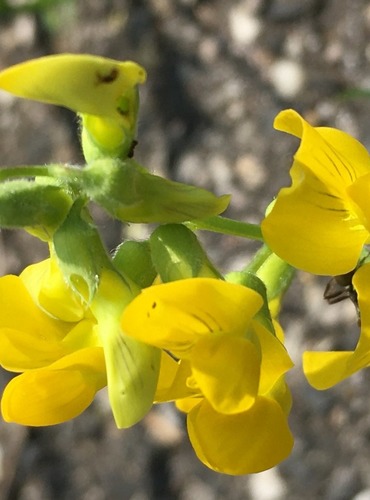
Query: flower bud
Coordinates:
[130,193]
[177,254]
[133,260]
[39,208]
[103,91]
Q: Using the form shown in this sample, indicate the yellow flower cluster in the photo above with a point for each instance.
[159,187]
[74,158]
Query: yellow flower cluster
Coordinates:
[73,324]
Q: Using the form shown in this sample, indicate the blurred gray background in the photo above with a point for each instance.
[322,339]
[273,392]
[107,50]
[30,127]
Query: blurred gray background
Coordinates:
[218,73]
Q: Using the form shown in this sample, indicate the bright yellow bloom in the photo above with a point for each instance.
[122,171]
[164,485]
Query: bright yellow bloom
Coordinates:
[321,222]
[68,351]
[103,91]
[229,373]
[325,369]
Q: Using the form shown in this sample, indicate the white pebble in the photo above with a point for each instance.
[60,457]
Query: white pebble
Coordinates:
[287,77]
[244,28]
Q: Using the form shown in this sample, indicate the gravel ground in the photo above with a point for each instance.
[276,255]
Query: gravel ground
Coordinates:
[218,73]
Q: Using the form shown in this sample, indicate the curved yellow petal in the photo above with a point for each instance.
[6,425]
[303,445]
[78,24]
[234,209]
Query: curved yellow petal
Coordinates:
[359,192]
[245,443]
[227,371]
[187,404]
[175,315]
[281,394]
[361,283]
[52,395]
[325,369]
[312,228]
[84,83]
[172,381]
[23,350]
[275,358]
[315,224]
[29,338]
[49,289]
[334,157]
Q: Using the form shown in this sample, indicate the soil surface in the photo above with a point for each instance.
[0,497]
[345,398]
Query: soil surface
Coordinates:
[218,73]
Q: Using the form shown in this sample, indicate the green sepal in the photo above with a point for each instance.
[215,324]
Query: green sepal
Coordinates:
[40,208]
[132,366]
[80,251]
[250,280]
[130,193]
[177,254]
[133,260]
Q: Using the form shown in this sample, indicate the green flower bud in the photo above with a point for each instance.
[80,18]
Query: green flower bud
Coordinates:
[133,260]
[177,254]
[130,193]
[39,208]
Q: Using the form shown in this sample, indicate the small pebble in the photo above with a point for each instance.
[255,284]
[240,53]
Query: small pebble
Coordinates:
[287,77]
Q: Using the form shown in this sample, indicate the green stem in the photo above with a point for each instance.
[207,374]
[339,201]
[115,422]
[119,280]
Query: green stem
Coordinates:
[27,171]
[218,224]
[275,273]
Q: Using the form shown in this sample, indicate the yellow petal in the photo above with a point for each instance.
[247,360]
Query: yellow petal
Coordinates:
[312,228]
[52,395]
[172,381]
[325,369]
[84,83]
[23,350]
[49,289]
[275,359]
[334,157]
[29,338]
[175,315]
[314,224]
[361,283]
[227,371]
[187,404]
[245,443]
[359,192]
[281,394]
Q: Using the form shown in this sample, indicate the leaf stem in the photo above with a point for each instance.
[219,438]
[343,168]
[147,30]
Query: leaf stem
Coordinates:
[223,225]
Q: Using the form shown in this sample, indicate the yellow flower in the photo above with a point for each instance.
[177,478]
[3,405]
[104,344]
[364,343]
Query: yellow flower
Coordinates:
[325,369]
[103,91]
[226,370]
[321,222]
[67,351]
